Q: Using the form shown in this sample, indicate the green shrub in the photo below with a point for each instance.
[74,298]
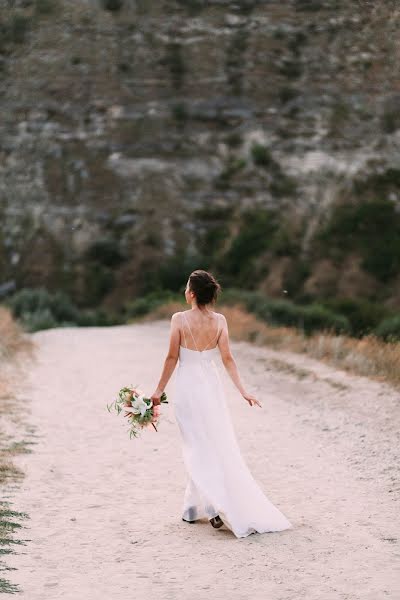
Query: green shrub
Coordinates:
[283,185]
[370,228]
[30,301]
[389,329]
[232,168]
[390,121]
[233,139]
[310,318]
[308,5]
[378,184]
[287,93]
[17,28]
[145,304]
[291,69]
[112,5]
[106,252]
[261,156]
[41,319]
[256,230]
[174,61]
[363,315]
[172,274]
[39,309]
[45,7]
[99,280]
[316,317]
[180,113]
[193,7]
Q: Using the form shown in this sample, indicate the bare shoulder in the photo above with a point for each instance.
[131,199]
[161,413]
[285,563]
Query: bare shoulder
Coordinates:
[221,317]
[176,316]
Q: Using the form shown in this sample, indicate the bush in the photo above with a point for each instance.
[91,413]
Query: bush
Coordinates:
[310,318]
[318,318]
[308,5]
[17,28]
[389,329]
[146,304]
[390,121]
[180,113]
[174,61]
[105,251]
[363,315]
[291,69]
[370,228]
[45,7]
[38,309]
[224,178]
[112,5]
[286,94]
[29,302]
[41,319]
[261,156]
[256,229]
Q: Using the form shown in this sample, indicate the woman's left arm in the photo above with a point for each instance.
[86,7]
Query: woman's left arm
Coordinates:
[171,359]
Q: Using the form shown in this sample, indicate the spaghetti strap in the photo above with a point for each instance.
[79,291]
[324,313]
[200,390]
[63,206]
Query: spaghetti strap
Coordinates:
[194,341]
[183,331]
[216,337]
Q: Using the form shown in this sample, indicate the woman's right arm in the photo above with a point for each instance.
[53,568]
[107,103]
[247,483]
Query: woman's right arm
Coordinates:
[230,363]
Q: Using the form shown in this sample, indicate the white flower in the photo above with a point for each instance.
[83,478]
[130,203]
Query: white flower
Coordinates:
[139,406]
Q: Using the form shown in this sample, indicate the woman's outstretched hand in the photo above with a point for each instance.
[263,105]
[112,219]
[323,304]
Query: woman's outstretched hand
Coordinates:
[251,399]
[156,397]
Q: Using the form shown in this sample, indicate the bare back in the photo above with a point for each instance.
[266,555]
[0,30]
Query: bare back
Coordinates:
[200,331]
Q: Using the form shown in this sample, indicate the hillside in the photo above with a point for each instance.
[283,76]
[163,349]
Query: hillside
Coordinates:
[259,139]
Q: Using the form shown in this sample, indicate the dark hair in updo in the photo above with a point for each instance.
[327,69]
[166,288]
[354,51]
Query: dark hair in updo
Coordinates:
[204,286]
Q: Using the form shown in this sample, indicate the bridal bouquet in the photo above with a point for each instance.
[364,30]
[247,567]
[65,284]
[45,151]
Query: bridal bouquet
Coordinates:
[140,410]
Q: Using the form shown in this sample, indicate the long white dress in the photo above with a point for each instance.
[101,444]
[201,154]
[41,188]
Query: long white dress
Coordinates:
[220,482]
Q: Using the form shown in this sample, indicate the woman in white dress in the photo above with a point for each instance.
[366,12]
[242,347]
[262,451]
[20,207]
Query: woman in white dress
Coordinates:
[220,485]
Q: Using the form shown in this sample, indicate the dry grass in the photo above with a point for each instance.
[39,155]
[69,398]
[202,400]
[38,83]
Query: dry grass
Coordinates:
[369,356]
[12,339]
[13,345]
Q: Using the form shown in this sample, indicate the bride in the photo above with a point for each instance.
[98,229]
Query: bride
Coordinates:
[220,485]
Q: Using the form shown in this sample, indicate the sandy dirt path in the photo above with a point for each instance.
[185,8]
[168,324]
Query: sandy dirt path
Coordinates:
[105,511]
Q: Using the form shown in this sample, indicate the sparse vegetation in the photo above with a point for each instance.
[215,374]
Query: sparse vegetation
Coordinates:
[390,120]
[15,30]
[235,60]
[39,309]
[112,5]
[13,344]
[370,228]
[253,238]
[389,329]
[174,61]
[180,113]
[46,7]
[223,180]
[262,157]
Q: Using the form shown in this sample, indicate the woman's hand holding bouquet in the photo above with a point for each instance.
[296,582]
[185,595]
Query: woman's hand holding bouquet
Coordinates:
[141,411]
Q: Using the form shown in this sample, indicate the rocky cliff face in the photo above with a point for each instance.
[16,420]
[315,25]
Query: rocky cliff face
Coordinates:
[139,139]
